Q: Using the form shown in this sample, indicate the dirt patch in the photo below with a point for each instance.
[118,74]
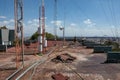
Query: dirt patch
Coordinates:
[25,59]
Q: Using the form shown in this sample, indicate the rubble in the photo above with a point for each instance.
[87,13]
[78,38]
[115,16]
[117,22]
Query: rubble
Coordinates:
[65,58]
[59,76]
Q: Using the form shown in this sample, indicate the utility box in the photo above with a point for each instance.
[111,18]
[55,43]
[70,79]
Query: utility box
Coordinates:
[11,36]
[113,57]
[6,39]
[4,36]
[102,49]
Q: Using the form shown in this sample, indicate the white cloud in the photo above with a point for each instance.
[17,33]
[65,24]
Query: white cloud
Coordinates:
[29,22]
[11,21]
[8,23]
[35,20]
[86,31]
[71,29]
[5,22]
[45,18]
[57,23]
[89,22]
[2,17]
[72,24]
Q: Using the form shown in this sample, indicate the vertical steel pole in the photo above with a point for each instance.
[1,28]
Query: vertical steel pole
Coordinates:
[40,33]
[16,34]
[22,33]
[43,25]
[18,14]
[55,21]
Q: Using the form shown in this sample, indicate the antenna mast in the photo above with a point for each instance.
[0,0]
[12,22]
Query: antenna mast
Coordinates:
[43,24]
[55,21]
[19,38]
[41,29]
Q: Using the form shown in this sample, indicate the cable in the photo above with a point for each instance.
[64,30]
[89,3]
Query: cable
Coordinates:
[106,17]
[110,6]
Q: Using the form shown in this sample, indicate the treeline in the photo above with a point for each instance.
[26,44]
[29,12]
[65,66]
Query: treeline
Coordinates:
[49,36]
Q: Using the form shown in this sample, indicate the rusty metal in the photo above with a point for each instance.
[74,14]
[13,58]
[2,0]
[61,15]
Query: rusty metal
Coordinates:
[19,44]
[59,76]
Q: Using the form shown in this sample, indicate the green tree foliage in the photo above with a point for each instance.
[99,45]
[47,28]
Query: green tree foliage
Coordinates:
[34,36]
[48,36]
[3,27]
[115,45]
[108,43]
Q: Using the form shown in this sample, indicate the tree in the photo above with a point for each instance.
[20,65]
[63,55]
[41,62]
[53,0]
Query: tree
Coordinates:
[114,45]
[3,27]
[34,36]
[48,36]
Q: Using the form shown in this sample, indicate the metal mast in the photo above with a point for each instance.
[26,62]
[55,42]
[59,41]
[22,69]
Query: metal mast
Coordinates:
[41,29]
[43,25]
[40,49]
[19,38]
[55,21]
[64,26]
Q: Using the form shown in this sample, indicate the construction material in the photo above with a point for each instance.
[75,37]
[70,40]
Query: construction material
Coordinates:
[102,49]
[66,58]
[59,76]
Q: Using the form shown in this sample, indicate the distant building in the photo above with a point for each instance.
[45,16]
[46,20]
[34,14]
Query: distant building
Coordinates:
[6,38]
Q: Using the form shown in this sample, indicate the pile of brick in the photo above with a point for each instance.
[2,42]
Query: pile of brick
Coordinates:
[65,58]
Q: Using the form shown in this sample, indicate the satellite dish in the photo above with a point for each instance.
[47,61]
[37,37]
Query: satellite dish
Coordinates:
[61,28]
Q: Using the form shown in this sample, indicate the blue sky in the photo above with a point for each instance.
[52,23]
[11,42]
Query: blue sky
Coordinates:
[82,17]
